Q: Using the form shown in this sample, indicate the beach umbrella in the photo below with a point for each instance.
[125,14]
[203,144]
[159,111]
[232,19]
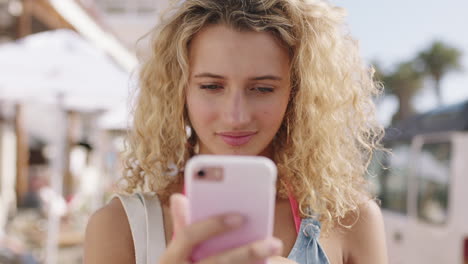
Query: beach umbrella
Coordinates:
[44,65]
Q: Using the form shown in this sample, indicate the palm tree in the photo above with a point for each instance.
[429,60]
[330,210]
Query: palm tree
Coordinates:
[437,61]
[404,82]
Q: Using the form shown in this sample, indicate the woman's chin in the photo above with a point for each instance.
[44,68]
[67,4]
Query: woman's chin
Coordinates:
[238,151]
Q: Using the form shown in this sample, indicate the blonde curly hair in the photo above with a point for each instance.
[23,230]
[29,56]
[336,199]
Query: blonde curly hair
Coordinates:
[329,132]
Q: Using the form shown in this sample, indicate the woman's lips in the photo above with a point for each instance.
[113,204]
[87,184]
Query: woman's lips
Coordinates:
[236,138]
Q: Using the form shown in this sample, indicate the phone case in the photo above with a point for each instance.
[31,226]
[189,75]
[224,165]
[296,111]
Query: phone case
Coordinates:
[248,187]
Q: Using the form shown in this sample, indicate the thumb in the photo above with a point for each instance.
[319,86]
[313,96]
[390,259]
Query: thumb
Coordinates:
[179,212]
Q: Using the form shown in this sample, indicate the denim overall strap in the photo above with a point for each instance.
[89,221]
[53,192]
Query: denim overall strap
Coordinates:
[307,250]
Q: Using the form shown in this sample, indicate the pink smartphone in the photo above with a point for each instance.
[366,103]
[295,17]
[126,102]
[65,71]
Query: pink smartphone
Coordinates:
[231,184]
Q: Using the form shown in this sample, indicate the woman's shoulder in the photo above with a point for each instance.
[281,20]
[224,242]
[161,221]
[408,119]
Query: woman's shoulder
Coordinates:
[108,236]
[364,242]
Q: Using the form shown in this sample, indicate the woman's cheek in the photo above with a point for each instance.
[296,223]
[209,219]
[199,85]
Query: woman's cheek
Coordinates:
[201,111]
[272,113]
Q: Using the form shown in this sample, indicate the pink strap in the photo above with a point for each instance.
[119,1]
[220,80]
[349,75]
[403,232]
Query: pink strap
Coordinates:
[295,211]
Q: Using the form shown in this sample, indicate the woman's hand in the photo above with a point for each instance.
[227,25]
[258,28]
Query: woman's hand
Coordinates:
[281,260]
[188,236]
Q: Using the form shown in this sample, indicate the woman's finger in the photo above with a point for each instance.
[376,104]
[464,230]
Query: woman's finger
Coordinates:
[252,253]
[179,212]
[187,238]
[280,260]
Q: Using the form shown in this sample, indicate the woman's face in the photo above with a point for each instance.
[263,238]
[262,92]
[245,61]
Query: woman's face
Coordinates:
[238,90]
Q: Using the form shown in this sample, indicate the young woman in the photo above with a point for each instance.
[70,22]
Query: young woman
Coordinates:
[277,78]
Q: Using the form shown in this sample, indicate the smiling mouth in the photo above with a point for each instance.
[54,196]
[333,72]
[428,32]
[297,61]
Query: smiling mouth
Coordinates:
[236,138]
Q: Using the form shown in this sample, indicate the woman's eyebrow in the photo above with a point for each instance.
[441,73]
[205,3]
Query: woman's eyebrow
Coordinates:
[210,75]
[266,77]
[258,78]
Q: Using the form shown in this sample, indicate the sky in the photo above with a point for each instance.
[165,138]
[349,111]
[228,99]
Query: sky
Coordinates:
[394,31]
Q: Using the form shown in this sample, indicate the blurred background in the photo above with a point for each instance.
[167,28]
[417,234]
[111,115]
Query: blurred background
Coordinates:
[67,76]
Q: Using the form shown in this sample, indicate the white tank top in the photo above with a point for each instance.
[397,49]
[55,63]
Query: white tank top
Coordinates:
[149,240]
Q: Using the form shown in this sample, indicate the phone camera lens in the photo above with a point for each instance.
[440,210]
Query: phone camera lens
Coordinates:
[201,173]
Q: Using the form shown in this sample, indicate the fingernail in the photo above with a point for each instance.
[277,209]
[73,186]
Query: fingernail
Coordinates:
[275,246]
[269,247]
[234,220]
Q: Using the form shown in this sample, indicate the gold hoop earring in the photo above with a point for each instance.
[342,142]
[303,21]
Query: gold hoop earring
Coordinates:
[196,148]
[287,129]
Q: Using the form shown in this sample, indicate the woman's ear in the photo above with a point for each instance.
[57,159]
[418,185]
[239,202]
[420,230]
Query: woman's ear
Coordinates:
[191,135]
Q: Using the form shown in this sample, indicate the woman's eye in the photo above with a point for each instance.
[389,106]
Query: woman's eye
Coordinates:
[211,86]
[263,89]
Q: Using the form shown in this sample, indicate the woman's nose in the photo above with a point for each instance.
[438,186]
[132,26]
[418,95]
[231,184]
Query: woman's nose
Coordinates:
[236,111]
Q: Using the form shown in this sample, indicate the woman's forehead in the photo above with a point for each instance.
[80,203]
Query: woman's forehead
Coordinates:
[221,49]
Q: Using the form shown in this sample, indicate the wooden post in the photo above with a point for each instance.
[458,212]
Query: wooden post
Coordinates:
[22,155]
[71,137]
[44,12]
[25,20]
